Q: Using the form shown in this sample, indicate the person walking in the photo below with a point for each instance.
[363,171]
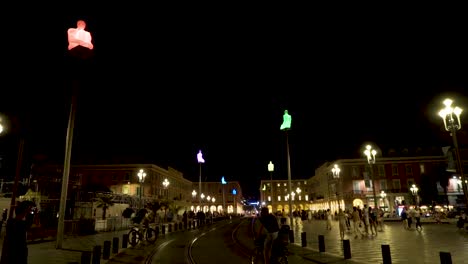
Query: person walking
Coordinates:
[266,222]
[15,247]
[342,223]
[329,219]
[356,222]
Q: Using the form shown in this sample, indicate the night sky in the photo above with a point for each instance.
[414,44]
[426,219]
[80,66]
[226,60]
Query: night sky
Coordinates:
[163,87]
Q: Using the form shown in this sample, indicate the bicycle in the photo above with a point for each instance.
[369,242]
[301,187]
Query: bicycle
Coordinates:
[257,254]
[137,234]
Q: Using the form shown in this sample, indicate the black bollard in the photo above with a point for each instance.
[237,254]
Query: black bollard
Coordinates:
[303,239]
[163,231]
[445,258]
[96,255]
[180,226]
[115,245]
[169,228]
[346,249]
[175,226]
[386,257]
[125,241]
[86,257]
[291,236]
[106,250]
[321,243]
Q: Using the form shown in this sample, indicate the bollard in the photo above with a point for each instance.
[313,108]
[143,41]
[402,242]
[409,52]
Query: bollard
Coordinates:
[445,258]
[321,243]
[106,250]
[169,228]
[180,226]
[303,239]
[96,255]
[291,236]
[163,231]
[115,245]
[346,249]
[86,257]
[175,226]
[386,257]
[156,230]
[125,241]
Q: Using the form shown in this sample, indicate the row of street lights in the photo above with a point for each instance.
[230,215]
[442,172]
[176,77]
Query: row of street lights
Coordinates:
[451,117]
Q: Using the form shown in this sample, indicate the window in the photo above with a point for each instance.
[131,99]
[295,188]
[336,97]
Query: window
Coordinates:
[381,170]
[279,198]
[421,168]
[355,171]
[383,184]
[127,176]
[306,197]
[409,169]
[410,182]
[395,169]
[356,186]
[396,184]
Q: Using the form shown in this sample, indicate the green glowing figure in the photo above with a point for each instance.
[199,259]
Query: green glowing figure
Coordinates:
[286,121]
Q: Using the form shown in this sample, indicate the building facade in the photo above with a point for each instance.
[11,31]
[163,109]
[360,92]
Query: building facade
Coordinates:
[217,197]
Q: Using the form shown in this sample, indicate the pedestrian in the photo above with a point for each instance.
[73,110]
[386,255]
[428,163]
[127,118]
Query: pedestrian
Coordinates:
[15,247]
[417,217]
[342,223]
[329,219]
[266,222]
[356,222]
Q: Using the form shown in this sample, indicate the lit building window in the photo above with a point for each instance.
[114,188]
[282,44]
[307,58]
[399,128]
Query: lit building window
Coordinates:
[306,197]
[279,198]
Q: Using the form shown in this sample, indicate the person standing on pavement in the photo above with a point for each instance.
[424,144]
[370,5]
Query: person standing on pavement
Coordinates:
[417,217]
[329,219]
[15,247]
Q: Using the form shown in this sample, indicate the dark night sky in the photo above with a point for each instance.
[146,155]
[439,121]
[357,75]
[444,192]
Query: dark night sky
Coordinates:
[163,87]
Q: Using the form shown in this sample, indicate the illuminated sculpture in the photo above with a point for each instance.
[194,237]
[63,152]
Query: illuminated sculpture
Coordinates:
[79,41]
[286,121]
[200,157]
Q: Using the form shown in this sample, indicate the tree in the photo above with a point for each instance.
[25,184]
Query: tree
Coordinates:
[104,201]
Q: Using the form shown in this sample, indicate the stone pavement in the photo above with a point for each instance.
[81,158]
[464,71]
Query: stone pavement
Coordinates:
[406,246]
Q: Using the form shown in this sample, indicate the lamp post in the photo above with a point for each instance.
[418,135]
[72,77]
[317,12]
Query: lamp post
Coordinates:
[271,168]
[194,194]
[202,196]
[200,160]
[336,175]
[415,190]
[286,126]
[166,184]
[452,124]
[370,154]
[141,177]
[223,182]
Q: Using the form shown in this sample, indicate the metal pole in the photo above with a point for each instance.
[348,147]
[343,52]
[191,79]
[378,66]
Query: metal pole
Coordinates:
[66,168]
[140,194]
[373,184]
[224,202]
[271,192]
[289,182]
[459,163]
[199,190]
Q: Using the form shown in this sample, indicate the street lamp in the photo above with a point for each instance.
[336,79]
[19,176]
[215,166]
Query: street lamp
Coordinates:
[370,154]
[166,184]
[452,124]
[414,190]
[200,160]
[223,182]
[336,174]
[286,126]
[202,196]
[271,168]
[141,177]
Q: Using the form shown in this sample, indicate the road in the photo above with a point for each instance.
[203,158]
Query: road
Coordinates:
[215,243]
[406,246]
